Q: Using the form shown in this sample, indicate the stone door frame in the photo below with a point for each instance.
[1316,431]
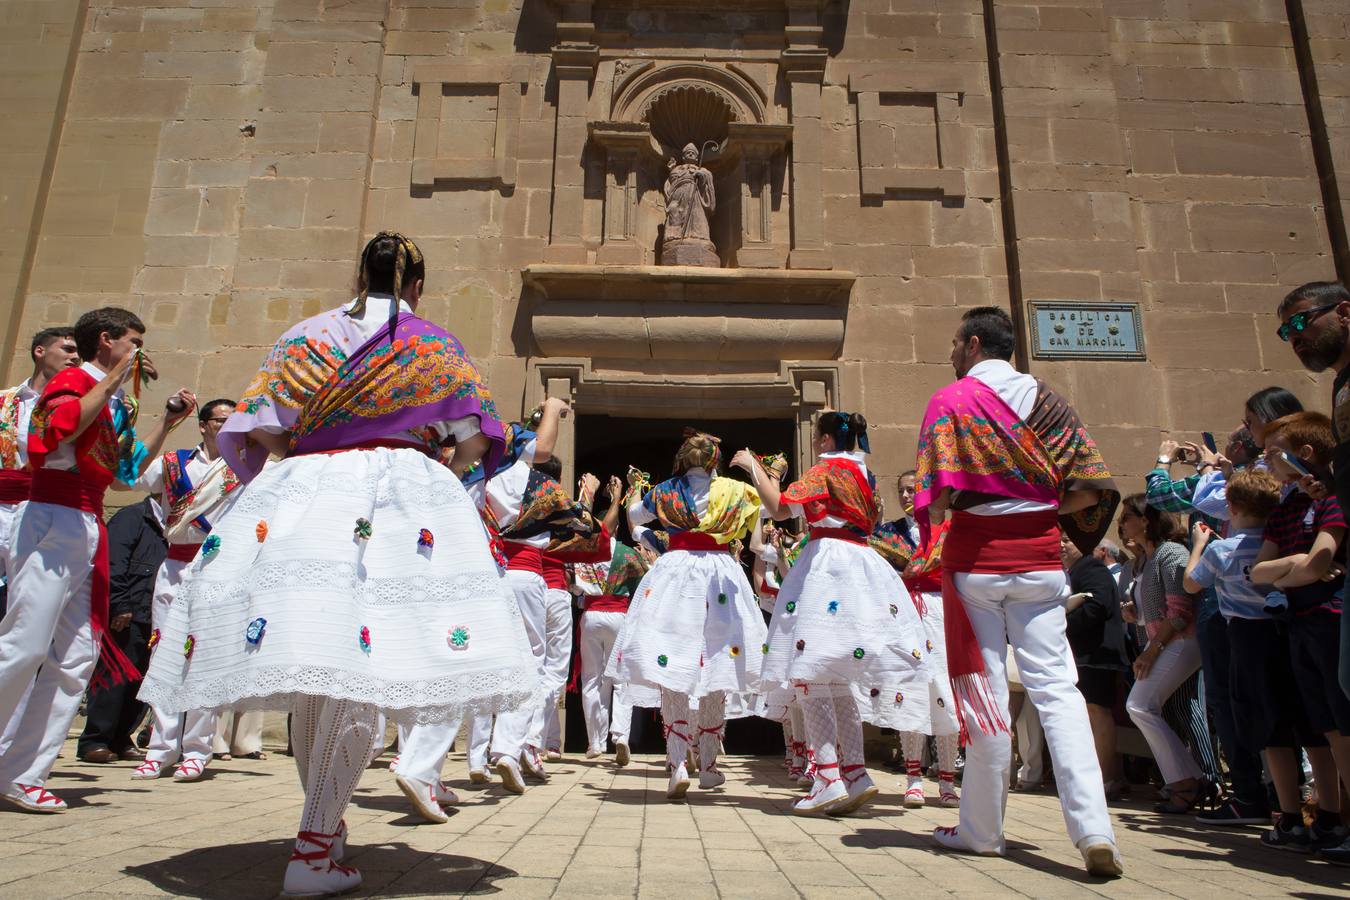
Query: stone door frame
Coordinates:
[801,390]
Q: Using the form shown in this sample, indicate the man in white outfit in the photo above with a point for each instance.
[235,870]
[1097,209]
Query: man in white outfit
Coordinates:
[81,439]
[1001,562]
[179,480]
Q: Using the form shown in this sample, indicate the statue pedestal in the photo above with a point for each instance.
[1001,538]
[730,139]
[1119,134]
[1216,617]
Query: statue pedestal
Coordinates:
[690,252]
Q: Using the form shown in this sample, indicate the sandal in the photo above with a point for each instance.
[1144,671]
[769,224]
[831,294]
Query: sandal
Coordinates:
[1180,802]
[255,755]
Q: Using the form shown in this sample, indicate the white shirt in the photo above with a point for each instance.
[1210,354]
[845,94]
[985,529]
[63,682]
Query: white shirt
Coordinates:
[152,482]
[505,492]
[64,456]
[855,456]
[26,398]
[1018,390]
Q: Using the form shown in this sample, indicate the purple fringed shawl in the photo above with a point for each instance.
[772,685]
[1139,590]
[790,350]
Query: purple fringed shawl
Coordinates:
[331,390]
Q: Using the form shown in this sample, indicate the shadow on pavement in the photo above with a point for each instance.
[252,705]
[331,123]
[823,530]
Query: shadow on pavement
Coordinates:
[255,869]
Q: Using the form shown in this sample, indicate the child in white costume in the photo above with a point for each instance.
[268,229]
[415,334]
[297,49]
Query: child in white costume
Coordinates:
[843,617]
[694,627]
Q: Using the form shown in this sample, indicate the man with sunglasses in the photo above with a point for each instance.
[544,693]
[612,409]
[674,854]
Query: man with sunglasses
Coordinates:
[1315,321]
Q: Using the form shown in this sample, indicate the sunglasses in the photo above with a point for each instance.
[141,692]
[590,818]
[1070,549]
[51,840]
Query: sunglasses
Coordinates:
[1299,321]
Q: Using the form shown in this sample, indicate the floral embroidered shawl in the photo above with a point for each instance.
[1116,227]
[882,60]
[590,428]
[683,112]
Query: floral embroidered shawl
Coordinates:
[892,544]
[972,441]
[732,507]
[836,487]
[331,389]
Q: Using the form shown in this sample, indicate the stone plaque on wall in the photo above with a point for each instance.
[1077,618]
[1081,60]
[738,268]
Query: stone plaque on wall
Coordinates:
[1066,330]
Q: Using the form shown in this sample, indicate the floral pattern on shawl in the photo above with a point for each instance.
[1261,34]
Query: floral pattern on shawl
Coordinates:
[732,507]
[836,487]
[893,546]
[293,372]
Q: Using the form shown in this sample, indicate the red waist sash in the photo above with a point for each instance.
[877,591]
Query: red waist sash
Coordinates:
[524,558]
[15,485]
[70,489]
[608,603]
[1003,545]
[554,572]
[694,540]
[839,534]
[184,553]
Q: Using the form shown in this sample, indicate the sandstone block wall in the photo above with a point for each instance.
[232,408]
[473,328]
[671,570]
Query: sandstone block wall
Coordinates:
[217,166]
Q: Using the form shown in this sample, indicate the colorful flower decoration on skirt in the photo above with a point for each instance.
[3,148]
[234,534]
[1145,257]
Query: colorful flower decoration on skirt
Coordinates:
[458,638]
[662,660]
[210,546]
[364,640]
[188,646]
[363,530]
[790,606]
[801,644]
[859,653]
[832,607]
[764,648]
[722,599]
[425,539]
[254,632]
[929,644]
[895,610]
[941,702]
[735,651]
[916,654]
[154,640]
[899,697]
[260,531]
[874,692]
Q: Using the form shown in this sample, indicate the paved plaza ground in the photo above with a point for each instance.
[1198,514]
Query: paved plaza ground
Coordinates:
[595,831]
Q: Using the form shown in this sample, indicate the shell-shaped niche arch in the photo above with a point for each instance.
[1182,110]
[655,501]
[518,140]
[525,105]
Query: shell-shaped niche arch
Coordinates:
[687,102]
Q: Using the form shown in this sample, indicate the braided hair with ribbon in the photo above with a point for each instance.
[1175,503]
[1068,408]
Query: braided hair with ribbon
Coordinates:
[389,262]
[849,430]
[700,450]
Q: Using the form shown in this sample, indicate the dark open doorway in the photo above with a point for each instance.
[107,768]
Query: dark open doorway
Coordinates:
[608,445]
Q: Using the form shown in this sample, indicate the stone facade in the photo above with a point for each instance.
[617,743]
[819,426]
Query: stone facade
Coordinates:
[880,165]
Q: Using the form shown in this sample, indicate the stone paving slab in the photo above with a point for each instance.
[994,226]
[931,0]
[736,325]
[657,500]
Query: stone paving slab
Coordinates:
[595,831]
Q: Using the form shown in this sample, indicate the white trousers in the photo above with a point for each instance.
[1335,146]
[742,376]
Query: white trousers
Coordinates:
[519,728]
[479,739]
[1030,745]
[557,662]
[177,735]
[606,714]
[422,749]
[1178,661]
[8,514]
[239,732]
[1027,610]
[47,627]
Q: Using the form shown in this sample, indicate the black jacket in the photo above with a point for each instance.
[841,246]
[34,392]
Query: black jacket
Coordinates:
[1096,631]
[136,547]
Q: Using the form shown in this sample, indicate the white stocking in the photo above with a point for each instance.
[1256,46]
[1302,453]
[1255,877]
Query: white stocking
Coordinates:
[711,718]
[675,724]
[947,746]
[822,731]
[849,725]
[337,735]
[911,744]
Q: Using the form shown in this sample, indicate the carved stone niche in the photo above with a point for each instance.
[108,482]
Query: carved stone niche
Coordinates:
[911,141]
[658,107]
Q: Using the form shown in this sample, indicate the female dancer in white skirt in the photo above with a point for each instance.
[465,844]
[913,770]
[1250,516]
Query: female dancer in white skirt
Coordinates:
[843,616]
[922,573]
[694,626]
[354,576]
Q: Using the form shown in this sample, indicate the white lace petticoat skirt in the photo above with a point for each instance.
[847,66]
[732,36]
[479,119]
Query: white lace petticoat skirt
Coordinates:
[843,617]
[363,575]
[880,708]
[694,627]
